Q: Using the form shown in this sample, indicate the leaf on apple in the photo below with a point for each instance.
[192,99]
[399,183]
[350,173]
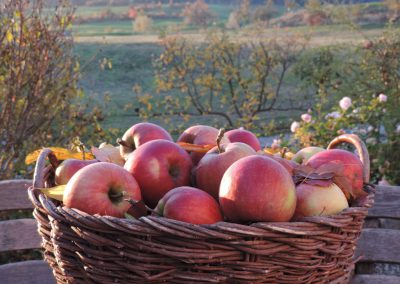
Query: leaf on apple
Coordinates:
[56,192]
[319,182]
[326,174]
[320,177]
[61,154]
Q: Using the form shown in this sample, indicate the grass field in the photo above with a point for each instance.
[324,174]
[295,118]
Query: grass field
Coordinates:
[131,55]
[125,27]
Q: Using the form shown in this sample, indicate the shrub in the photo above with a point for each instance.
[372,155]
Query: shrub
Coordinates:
[368,86]
[142,23]
[198,14]
[230,83]
[40,103]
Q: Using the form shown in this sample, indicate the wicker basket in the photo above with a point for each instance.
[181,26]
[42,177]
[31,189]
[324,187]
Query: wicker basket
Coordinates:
[82,248]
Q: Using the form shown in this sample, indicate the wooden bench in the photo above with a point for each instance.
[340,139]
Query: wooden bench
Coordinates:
[378,247]
[20,234]
[379,244]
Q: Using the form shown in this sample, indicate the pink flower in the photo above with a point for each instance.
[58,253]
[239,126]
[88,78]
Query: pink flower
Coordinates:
[294,126]
[383,181]
[398,128]
[345,103]
[334,114]
[306,117]
[276,143]
[382,98]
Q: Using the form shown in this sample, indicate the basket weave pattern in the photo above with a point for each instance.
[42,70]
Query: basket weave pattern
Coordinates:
[82,248]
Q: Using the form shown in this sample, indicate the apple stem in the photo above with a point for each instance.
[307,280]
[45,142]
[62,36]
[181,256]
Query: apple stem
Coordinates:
[135,202]
[219,138]
[123,143]
[284,151]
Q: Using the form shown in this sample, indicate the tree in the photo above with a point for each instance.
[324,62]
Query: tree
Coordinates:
[266,12]
[198,13]
[40,104]
[142,22]
[394,7]
[233,82]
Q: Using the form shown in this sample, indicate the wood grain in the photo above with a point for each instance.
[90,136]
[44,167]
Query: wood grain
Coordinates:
[375,279]
[13,194]
[379,245]
[19,234]
[26,272]
[387,203]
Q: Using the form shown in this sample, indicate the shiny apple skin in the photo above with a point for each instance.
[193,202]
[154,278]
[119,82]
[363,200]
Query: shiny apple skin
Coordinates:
[352,169]
[192,205]
[257,189]
[200,135]
[141,133]
[211,168]
[89,189]
[159,166]
[244,136]
[314,200]
[68,168]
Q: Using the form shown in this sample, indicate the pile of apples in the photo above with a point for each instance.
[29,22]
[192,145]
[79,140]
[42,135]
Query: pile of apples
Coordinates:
[208,176]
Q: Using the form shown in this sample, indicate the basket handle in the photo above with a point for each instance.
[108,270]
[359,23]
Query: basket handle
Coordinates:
[361,150]
[39,174]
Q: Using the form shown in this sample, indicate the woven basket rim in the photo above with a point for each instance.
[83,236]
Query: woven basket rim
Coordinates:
[302,227]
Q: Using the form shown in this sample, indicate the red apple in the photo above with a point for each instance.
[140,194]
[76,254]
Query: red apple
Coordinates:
[348,167]
[319,200]
[244,136]
[139,134]
[191,205]
[68,168]
[257,188]
[212,166]
[159,166]
[200,135]
[102,188]
[303,155]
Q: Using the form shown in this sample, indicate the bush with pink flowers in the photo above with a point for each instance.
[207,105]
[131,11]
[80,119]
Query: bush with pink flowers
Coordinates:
[360,95]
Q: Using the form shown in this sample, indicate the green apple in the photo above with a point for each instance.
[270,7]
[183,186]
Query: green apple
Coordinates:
[303,155]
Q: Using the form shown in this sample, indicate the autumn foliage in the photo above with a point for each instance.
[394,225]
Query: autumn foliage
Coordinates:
[40,103]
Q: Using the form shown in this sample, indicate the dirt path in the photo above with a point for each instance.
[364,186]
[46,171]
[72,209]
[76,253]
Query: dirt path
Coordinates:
[317,38]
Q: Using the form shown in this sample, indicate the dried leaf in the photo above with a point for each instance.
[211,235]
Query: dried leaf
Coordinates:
[335,167]
[319,182]
[61,154]
[108,153]
[195,148]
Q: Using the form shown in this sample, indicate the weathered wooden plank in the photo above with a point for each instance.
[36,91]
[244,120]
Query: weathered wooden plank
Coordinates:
[384,223]
[375,279]
[378,268]
[386,203]
[379,245]
[19,234]
[13,194]
[26,272]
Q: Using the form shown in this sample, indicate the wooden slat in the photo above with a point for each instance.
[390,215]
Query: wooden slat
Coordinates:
[19,234]
[378,268]
[375,279]
[26,272]
[379,245]
[386,203]
[13,194]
